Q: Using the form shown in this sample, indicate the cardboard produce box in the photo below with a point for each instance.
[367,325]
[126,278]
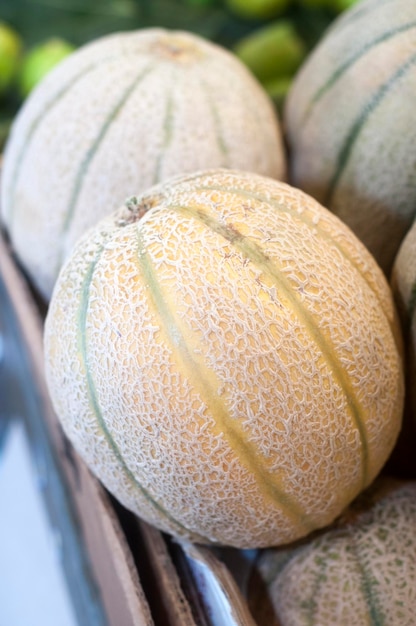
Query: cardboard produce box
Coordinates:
[119,570]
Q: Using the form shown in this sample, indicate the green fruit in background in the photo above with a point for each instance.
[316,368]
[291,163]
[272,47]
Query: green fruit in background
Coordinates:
[39,60]
[258,9]
[341,5]
[314,4]
[10,50]
[200,3]
[272,51]
[277,89]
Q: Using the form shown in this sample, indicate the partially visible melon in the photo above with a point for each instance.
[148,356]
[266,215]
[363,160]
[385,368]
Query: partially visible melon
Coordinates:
[350,127]
[223,354]
[117,116]
[361,571]
[403,282]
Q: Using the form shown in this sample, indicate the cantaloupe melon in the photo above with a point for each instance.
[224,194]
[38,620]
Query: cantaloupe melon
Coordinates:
[362,571]
[223,354]
[118,115]
[349,121]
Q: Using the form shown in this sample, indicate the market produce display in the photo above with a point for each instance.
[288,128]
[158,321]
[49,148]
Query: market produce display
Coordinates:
[349,123]
[33,39]
[214,200]
[117,116]
[223,353]
[362,571]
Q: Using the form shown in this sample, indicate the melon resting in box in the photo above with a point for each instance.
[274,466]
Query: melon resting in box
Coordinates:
[224,354]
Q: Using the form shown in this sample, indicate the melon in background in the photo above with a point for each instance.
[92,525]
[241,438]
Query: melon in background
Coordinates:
[116,116]
[350,123]
[403,282]
[360,571]
[39,60]
[223,353]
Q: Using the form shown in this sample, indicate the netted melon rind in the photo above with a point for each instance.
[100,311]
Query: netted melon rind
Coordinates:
[223,355]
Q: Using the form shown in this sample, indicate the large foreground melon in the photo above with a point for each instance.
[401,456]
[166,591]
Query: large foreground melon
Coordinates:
[222,353]
[350,120]
[118,115]
[362,571]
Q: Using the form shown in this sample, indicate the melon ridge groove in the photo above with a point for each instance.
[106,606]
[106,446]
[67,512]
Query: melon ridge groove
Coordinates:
[340,71]
[256,255]
[358,124]
[41,117]
[93,401]
[167,129]
[91,152]
[217,123]
[375,614]
[194,372]
[319,579]
[301,217]
[34,126]
[224,149]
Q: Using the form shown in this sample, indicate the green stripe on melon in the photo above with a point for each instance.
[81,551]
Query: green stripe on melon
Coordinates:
[356,12]
[96,131]
[89,156]
[28,135]
[83,350]
[167,134]
[241,343]
[348,120]
[324,230]
[254,253]
[346,65]
[360,571]
[208,385]
[359,123]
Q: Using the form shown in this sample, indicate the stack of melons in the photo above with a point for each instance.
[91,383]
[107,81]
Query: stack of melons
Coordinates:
[360,571]
[117,116]
[221,349]
[349,122]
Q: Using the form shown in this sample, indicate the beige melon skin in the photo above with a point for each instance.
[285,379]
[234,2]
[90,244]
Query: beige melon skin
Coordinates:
[349,121]
[117,116]
[224,357]
[361,571]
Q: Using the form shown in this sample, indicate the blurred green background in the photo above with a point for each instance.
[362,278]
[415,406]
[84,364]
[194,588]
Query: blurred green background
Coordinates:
[271,36]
